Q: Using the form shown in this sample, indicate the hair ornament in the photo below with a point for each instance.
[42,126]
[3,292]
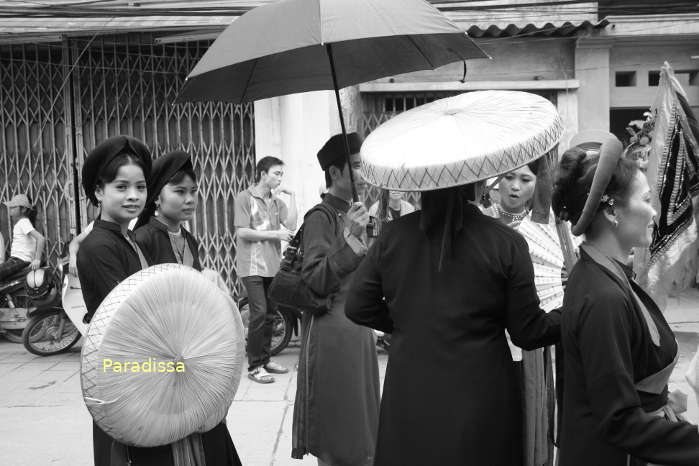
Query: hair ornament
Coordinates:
[610,151]
[607,199]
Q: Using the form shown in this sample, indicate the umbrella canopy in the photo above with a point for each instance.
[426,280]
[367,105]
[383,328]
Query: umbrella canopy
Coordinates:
[460,140]
[283,48]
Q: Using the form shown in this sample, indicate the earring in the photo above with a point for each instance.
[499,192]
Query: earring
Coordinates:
[616,223]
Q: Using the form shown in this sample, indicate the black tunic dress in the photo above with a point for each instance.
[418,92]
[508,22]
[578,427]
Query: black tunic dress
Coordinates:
[154,241]
[105,258]
[608,350]
[450,394]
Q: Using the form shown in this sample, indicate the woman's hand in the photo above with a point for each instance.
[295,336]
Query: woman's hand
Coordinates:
[677,400]
[35,264]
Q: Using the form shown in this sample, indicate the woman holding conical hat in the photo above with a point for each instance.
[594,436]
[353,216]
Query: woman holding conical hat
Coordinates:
[172,199]
[450,395]
[114,178]
[619,350]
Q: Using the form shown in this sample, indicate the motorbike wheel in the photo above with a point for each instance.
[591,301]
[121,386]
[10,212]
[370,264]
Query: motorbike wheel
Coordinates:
[40,337]
[13,335]
[283,327]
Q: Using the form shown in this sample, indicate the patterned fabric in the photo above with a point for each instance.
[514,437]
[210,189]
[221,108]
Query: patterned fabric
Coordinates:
[677,171]
[670,264]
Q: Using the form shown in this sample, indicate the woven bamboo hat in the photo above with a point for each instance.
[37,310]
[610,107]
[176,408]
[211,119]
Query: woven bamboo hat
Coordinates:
[186,337]
[460,140]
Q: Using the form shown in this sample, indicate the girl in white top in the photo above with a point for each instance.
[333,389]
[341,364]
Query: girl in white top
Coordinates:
[27,243]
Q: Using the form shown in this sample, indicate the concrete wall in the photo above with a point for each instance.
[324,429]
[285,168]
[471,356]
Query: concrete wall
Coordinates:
[294,128]
[592,70]
[512,60]
[645,56]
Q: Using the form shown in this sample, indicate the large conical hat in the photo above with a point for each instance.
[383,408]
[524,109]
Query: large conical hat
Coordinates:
[167,314]
[460,140]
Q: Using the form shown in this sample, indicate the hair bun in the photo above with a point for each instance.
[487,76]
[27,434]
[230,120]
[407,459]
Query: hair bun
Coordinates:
[571,169]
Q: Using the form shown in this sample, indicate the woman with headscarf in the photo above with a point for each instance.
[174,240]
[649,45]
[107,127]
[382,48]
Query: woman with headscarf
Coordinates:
[619,350]
[115,178]
[172,199]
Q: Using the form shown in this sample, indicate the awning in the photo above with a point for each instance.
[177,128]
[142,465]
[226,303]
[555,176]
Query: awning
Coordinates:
[564,29]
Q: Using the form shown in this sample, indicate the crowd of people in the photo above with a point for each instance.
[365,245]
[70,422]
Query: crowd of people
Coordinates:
[452,283]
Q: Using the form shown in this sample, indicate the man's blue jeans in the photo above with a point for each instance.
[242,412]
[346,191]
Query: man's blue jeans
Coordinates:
[260,327]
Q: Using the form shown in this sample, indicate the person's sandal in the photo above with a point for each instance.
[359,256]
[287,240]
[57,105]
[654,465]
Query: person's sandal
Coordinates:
[260,375]
[274,368]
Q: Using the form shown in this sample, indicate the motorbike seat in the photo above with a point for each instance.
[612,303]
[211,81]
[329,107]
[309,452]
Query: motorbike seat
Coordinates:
[22,273]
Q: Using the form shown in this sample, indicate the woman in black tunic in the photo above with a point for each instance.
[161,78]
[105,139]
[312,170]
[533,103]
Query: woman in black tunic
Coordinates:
[172,198]
[162,238]
[453,280]
[619,351]
[114,178]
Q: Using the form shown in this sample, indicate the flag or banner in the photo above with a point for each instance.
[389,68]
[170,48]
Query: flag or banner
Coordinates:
[670,264]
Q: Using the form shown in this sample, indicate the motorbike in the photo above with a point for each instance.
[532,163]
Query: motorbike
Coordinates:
[14,305]
[285,326]
[50,330]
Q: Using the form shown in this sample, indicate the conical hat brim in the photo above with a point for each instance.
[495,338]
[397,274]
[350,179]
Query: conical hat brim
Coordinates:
[460,140]
[167,313]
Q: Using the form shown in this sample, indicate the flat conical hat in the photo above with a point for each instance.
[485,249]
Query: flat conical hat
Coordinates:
[165,314]
[460,140]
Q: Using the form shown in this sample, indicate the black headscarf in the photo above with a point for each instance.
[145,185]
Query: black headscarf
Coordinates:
[164,168]
[104,153]
[445,207]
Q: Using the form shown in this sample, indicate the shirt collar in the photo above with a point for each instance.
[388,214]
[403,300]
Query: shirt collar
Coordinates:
[336,202]
[628,271]
[111,226]
[255,192]
[157,224]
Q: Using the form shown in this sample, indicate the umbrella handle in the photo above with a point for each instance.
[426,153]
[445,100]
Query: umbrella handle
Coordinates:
[329,50]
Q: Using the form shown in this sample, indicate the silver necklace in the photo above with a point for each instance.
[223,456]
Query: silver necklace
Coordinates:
[510,217]
[179,252]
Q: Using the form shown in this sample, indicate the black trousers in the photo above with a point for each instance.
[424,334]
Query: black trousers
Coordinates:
[260,327]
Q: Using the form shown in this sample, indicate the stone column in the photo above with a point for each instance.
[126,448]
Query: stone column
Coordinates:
[592,70]
[294,128]
[567,103]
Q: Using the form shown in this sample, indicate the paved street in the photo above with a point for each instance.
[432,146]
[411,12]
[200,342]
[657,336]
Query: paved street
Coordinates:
[43,420]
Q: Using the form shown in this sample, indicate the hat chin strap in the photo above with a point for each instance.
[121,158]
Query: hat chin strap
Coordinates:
[610,154]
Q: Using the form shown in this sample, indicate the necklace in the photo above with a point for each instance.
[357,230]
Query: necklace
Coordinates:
[179,251]
[510,218]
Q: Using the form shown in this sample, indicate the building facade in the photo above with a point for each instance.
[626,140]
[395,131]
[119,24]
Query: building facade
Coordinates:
[68,83]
